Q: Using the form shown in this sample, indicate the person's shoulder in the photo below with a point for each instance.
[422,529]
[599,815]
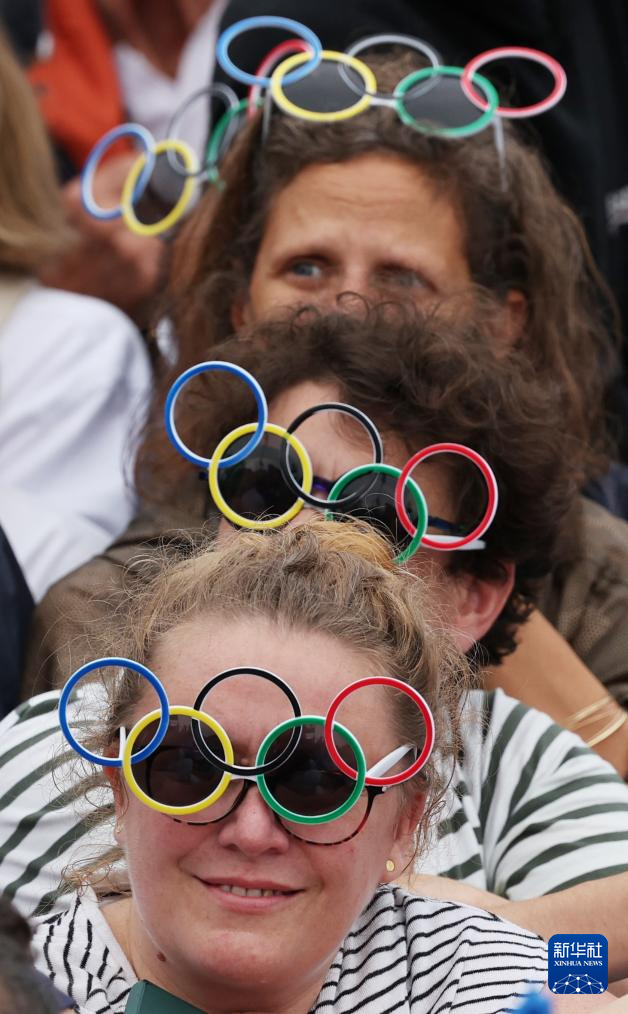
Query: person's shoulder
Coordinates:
[75,921]
[413,916]
[600,541]
[601,525]
[492,716]
[423,916]
[22,727]
[63,333]
[435,952]
[511,729]
[78,950]
[67,342]
[72,308]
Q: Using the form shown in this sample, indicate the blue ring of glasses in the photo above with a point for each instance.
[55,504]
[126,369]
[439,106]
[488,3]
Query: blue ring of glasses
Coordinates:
[270,21]
[173,394]
[123,663]
[89,169]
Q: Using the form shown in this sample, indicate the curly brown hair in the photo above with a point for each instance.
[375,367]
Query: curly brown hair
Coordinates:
[519,235]
[423,377]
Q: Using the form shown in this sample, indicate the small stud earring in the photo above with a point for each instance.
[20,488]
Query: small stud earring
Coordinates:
[390,866]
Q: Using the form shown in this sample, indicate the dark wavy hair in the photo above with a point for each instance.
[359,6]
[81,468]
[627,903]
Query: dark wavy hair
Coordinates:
[519,235]
[423,377]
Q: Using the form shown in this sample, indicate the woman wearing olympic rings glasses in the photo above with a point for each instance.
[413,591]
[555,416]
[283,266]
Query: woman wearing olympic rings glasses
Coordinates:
[240,909]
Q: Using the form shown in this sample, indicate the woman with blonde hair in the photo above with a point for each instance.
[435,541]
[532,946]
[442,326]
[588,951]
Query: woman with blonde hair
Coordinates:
[256,901]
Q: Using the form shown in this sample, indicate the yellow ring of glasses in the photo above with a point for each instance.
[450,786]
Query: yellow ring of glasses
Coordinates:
[284,103]
[225,443]
[127,764]
[190,162]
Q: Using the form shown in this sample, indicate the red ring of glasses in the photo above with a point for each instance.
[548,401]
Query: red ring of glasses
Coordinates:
[524,52]
[433,542]
[270,60]
[423,707]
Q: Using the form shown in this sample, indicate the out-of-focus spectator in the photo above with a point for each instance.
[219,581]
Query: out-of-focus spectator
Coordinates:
[107,61]
[583,137]
[22,21]
[23,989]
[16,606]
[74,374]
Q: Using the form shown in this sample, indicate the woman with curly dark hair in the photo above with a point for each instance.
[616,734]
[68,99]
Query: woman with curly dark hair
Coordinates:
[422,378]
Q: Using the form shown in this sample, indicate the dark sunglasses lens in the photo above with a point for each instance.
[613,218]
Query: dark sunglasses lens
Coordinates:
[177,774]
[377,506]
[255,488]
[326,89]
[309,783]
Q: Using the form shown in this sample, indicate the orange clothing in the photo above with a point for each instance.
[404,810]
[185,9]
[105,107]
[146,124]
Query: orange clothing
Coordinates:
[77,86]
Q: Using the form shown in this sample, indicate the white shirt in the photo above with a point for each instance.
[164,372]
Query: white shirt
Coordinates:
[152,98]
[74,382]
[404,954]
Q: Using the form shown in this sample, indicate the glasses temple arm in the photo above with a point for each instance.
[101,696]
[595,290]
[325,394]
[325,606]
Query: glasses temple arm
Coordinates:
[122,742]
[389,761]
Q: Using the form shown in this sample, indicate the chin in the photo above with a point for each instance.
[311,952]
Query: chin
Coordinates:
[242,960]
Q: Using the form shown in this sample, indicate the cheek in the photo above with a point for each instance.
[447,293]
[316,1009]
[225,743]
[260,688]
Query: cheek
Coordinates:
[364,857]
[261,295]
[153,844]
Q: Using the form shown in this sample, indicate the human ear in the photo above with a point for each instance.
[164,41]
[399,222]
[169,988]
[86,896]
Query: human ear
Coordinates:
[402,850]
[514,318]
[241,311]
[120,801]
[475,603]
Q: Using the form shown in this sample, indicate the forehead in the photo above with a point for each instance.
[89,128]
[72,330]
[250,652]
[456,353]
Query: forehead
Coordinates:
[312,662]
[315,666]
[382,191]
[337,443]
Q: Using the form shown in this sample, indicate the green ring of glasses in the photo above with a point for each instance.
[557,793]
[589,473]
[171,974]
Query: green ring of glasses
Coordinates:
[215,140]
[428,72]
[413,488]
[323,818]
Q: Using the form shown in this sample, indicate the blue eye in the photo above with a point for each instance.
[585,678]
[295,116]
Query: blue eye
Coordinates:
[306,269]
[404,278]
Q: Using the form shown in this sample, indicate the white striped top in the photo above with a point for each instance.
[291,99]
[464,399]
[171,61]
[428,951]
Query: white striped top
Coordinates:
[530,809]
[404,954]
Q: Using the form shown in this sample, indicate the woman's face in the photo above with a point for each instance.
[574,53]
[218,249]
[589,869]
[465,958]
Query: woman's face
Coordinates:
[375,225]
[336,444]
[256,952]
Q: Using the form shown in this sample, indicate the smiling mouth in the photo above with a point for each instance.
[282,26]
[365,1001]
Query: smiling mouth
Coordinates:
[252,892]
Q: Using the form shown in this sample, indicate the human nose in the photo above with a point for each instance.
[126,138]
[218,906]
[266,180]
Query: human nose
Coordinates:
[305,514]
[252,827]
[355,277]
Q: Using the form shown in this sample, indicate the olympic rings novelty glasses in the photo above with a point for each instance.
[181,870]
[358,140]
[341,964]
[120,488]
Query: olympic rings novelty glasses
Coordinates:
[304,80]
[268,478]
[310,769]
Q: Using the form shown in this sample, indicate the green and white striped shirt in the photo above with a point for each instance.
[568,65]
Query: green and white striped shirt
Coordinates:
[530,809]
